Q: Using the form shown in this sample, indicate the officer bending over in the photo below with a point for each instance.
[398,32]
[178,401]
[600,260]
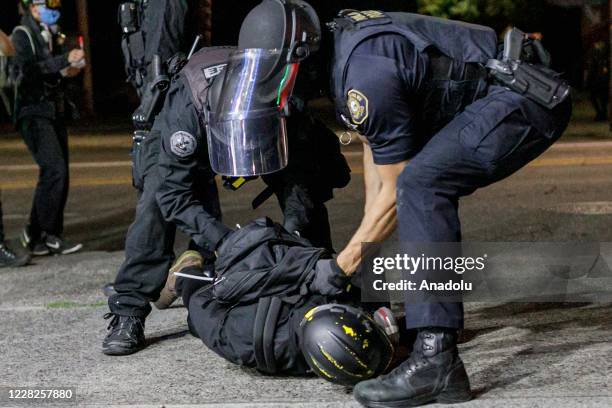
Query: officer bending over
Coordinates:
[39,115]
[437,127]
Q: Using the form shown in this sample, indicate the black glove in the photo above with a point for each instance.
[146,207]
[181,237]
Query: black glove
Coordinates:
[329,279]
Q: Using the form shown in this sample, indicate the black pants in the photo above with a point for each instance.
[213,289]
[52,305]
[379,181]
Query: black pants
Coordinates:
[149,244]
[47,140]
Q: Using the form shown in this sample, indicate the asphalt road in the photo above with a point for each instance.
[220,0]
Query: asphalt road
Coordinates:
[522,355]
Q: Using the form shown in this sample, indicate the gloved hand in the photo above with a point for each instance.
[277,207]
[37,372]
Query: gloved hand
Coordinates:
[329,279]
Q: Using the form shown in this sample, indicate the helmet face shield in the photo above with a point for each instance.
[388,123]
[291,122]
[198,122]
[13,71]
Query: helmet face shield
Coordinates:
[247,132]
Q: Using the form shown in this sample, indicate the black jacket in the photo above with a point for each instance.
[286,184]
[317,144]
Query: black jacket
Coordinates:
[253,311]
[39,91]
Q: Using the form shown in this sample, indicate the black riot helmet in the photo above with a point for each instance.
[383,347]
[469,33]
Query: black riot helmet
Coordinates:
[343,345]
[247,128]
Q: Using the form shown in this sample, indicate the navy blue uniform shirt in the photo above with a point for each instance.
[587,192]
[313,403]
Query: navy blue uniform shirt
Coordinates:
[383,79]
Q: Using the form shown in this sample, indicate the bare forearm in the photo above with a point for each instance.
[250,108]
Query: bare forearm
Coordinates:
[378,224]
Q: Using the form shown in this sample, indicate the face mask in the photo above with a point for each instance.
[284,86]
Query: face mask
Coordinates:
[48,16]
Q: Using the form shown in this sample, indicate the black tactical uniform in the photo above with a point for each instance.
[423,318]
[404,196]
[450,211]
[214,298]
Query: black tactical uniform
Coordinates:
[187,193]
[160,29]
[39,116]
[149,245]
[416,87]
[302,188]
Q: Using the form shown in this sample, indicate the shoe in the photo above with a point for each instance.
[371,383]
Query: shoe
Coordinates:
[39,249]
[109,290]
[8,258]
[125,335]
[434,372]
[58,246]
[190,259]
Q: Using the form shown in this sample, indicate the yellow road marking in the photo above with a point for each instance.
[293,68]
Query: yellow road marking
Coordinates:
[84,182]
[571,161]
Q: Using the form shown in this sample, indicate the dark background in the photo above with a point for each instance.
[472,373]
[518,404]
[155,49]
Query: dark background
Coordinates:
[561,27]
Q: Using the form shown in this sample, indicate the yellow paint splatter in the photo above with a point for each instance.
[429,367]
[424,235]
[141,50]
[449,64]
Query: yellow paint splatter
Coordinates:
[309,314]
[349,331]
[366,344]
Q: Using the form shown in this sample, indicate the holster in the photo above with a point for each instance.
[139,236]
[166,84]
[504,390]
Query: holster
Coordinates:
[537,83]
[152,97]
[524,68]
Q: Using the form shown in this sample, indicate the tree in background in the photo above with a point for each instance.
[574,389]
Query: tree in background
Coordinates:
[496,13]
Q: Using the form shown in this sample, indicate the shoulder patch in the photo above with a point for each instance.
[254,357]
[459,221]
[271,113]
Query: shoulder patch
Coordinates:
[358,105]
[183,144]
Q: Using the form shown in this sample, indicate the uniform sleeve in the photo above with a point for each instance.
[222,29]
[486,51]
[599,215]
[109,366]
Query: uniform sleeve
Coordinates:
[26,59]
[165,27]
[181,151]
[380,83]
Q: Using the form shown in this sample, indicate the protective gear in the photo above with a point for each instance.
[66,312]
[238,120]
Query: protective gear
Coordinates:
[247,131]
[343,345]
[288,25]
[247,135]
[434,372]
[329,279]
[49,16]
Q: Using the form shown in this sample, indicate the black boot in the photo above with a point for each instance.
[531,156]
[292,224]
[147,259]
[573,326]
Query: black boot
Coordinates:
[433,373]
[125,335]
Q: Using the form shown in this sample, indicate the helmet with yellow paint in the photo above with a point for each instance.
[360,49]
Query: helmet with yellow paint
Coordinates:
[343,345]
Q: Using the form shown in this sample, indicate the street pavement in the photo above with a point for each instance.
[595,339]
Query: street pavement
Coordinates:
[517,355]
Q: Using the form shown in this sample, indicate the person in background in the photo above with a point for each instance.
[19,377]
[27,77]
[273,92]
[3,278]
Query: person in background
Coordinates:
[39,116]
[598,78]
[8,258]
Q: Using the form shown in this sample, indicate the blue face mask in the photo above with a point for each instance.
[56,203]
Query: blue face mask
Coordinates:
[48,16]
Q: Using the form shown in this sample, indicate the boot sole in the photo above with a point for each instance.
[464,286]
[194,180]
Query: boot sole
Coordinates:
[412,402]
[116,350]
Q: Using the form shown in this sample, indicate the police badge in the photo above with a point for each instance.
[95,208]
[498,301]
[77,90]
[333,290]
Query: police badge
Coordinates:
[183,144]
[358,106]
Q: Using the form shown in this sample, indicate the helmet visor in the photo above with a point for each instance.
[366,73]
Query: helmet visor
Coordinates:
[247,132]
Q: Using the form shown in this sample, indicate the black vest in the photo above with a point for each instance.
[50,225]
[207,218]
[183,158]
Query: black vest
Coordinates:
[457,53]
[199,73]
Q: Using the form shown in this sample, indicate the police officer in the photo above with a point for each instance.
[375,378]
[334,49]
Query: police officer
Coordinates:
[436,129]
[39,116]
[240,111]
[154,34]
[187,191]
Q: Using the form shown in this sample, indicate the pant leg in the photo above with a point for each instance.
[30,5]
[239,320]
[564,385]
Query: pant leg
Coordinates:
[318,230]
[62,137]
[47,148]
[149,245]
[488,142]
